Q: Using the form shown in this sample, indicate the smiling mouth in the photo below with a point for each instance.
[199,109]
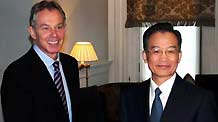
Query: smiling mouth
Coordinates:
[163,66]
[53,42]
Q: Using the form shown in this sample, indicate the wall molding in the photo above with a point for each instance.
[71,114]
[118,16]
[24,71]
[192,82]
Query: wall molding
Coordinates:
[97,74]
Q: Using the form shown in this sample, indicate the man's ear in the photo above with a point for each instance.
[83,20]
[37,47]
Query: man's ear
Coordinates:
[180,56]
[32,32]
[144,56]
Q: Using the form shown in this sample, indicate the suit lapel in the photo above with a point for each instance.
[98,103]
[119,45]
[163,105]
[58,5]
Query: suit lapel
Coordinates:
[40,74]
[71,75]
[68,73]
[38,67]
[174,102]
[147,89]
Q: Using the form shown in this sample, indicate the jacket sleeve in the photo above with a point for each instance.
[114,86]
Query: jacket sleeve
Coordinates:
[15,98]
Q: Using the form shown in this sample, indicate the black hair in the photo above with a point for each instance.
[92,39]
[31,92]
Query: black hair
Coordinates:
[160,27]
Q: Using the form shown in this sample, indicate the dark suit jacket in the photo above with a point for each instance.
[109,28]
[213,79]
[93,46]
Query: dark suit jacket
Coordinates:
[186,103]
[28,93]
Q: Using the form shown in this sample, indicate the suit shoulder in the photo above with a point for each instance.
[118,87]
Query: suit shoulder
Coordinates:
[67,57]
[20,63]
[134,87]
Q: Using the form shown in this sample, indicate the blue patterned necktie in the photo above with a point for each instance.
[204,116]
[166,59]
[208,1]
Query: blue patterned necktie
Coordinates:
[157,108]
[59,84]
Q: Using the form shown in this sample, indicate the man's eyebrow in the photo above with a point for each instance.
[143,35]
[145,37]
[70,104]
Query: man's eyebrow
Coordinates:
[44,24]
[41,25]
[172,47]
[152,47]
[60,24]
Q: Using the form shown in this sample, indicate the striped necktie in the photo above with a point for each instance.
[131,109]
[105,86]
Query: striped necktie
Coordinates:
[157,108]
[59,84]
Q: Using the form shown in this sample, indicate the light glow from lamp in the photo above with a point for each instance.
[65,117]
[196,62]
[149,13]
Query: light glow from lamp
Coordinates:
[84,51]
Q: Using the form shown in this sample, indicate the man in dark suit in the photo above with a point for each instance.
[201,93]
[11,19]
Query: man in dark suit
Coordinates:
[32,89]
[165,97]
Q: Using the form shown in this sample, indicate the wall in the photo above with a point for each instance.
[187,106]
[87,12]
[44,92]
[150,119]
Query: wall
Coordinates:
[13,32]
[86,21]
[209,48]
[95,74]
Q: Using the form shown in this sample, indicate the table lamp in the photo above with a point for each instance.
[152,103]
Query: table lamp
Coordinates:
[83,52]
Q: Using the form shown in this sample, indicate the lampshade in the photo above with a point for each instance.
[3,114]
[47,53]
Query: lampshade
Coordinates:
[84,51]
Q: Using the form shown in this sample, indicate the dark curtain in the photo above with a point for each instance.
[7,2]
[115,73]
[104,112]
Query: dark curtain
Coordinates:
[178,12]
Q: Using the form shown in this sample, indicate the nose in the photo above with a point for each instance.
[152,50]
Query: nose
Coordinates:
[163,54]
[53,32]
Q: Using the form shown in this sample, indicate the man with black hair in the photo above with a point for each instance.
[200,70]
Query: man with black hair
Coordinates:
[165,97]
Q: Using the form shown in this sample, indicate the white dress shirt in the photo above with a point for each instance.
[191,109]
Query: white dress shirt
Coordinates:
[165,88]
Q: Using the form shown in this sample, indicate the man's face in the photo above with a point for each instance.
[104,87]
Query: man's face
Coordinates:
[163,55]
[48,31]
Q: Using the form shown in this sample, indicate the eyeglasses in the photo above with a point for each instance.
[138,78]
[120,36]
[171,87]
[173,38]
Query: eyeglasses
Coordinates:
[169,52]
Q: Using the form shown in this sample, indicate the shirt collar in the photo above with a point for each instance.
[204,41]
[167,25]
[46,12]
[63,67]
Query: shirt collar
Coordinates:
[45,58]
[164,87]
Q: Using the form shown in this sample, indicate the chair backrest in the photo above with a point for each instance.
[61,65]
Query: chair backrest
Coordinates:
[110,94]
[101,103]
[189,78]
[209,82]
[90,108]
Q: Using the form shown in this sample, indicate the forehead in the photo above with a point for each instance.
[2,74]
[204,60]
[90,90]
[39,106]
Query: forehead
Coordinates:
[163,39]
[49,15]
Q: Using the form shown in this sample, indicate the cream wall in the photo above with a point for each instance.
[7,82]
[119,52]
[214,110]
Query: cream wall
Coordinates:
[87,21]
